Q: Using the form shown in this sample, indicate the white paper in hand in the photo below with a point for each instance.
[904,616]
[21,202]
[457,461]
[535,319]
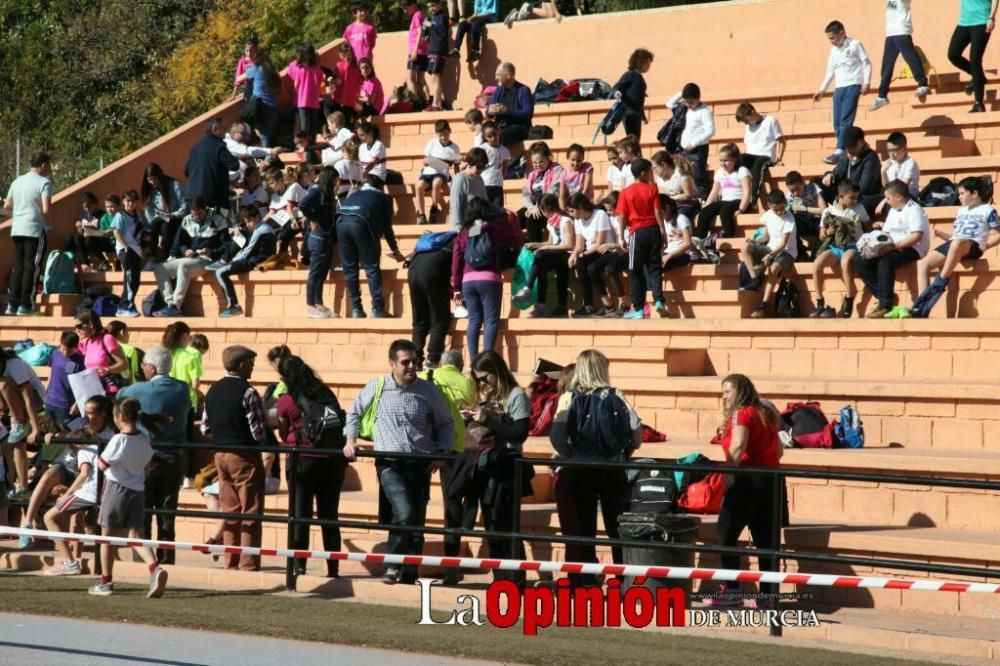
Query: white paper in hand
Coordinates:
[85,385]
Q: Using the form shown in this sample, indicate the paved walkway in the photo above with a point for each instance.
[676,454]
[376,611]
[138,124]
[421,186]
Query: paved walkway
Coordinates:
[33,640]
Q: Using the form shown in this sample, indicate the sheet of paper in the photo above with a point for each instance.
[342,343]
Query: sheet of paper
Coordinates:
[85,385]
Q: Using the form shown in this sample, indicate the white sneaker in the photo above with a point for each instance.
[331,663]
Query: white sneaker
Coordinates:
[157,583]
[834,157]
[188,483]
[64,568]
[524,12]
[102,589]
[923,91]
[878,104]
[460,312]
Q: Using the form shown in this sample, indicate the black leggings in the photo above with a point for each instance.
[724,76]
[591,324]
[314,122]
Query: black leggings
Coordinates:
[588,272]
[749,502]
[757,164]
[978,38]
[551,260]
[607,268]
[723,209]
[429,280]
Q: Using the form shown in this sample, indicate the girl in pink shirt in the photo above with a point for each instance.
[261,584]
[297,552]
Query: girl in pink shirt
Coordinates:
[307,76]
[361,34]
[249,58]
[579,177]
[346,94]
[371,98]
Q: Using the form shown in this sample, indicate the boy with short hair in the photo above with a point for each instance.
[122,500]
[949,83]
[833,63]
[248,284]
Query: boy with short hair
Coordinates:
[639,208]
[416,57]
[849,65]
[899,165]
[474,121]
[441,157]
[438,35]
[261,245]
[763,143]
[806,202]
[125,228]
[699,128]
[899,40]
[975,224]
[628,151]
[466,184]
[497,159]
[66,360]
[773,253]
[840,228]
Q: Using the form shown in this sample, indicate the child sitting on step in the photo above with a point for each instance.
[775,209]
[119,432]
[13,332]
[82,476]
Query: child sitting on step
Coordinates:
[840,228]
[806,202]
[260,245]
[977,229]
[772,255]
[552,255]
[578,176]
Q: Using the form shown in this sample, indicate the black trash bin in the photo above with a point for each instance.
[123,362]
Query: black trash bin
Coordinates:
[659,528]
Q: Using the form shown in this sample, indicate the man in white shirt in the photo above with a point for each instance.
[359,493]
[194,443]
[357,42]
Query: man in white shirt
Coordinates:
[763,143]
[30,199]
[849,64]
[699,128]
[899,40]
[909,229]
[236,142]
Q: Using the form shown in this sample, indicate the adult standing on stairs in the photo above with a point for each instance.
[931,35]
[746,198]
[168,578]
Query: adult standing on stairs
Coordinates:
[976,21]
[30,199]
[208,167]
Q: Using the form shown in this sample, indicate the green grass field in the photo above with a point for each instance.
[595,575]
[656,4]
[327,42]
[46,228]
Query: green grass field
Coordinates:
[391,627]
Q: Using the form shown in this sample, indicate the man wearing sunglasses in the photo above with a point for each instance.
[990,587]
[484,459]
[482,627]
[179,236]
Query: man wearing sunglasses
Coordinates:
[410,417]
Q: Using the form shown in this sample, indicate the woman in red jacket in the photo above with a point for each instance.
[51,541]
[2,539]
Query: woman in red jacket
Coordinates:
[750,438]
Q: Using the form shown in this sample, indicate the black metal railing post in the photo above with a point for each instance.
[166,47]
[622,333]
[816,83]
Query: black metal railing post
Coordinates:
[292,470]
[777,512]
[515,519]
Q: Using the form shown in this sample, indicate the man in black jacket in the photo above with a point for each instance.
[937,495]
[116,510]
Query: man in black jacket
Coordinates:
[861,165]
[364,218]
[208,167]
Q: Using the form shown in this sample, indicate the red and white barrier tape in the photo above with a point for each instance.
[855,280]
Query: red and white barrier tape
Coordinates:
[825,580]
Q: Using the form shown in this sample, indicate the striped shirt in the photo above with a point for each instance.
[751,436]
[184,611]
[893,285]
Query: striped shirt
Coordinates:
[411,419]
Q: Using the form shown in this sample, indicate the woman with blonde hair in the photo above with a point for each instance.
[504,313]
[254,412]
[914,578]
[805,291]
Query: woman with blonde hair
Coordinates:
[593,422]
[749,438]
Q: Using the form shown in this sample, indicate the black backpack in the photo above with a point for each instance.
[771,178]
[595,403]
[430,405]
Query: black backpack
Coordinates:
[787,300]
[653,491]
[322,422]
[599,425]
[479,252]
[154,302]
[939,191]
[669,135]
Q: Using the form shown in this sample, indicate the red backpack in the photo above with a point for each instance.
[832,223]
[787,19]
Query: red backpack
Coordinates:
[544,400]
[808,425]
[703,496]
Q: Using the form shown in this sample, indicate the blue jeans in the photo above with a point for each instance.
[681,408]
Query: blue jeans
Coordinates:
[358,245]
[405,488]
[320,257]
[845,107]
[224,275]
[267,120]
[482,300]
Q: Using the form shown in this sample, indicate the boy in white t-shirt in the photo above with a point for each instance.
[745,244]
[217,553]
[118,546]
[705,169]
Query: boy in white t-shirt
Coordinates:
[841,225]
[849,65]
[977,229]
[899,40]
[124,462]
[441,158]
[773,254]
[254,193]
[899,166]
[628,150]
[497,159]
[906,224]
[763,144]
[337,135]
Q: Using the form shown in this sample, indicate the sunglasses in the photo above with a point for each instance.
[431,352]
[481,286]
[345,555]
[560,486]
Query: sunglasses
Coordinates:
[481,379]
[81,327]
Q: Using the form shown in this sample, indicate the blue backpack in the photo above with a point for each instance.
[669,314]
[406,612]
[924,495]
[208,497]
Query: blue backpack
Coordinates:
[611,121]
[479,250]
[433,242]
[107,305]
[599,425]
[60,276]
[848,429]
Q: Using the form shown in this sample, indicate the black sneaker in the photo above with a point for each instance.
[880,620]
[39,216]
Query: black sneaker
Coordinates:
[846,310]
[585,311]
[969,88]
[454,52]
[978,107]
[752,285]
[472,57]
[558,312]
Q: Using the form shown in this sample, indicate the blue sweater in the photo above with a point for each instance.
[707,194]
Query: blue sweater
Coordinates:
[522,109]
